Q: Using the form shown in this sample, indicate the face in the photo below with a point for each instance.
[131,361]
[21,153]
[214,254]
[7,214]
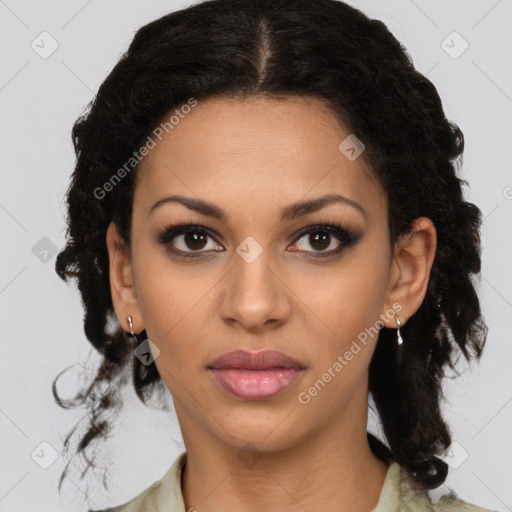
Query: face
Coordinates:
[260,274]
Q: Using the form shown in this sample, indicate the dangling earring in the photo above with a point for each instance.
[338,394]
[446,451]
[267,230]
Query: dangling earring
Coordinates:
[400,339]
[146,351]
[399,350]
[130,323]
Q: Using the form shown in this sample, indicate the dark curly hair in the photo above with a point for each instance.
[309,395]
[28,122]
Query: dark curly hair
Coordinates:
[322,49]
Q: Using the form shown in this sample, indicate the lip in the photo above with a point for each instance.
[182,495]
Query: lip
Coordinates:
[261,360]
[255,375]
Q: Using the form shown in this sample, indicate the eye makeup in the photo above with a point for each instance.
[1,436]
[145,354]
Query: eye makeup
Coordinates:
[340,231]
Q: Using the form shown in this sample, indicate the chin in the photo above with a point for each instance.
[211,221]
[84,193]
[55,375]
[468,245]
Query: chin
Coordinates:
[260,432]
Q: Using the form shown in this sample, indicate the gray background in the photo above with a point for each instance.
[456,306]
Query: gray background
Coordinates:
[41,317]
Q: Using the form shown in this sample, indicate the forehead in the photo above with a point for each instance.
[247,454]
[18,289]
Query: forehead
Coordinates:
[257,150]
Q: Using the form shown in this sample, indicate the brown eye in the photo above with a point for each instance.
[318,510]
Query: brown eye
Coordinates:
[326,239]
[187,240]
[321,241]
[194,241]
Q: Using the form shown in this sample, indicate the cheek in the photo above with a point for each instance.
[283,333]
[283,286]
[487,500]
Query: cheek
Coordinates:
[175,308]
[354,295]
[349,306]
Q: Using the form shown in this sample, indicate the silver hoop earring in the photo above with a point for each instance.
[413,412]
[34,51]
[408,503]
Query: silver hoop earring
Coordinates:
[130,323]
[399,337]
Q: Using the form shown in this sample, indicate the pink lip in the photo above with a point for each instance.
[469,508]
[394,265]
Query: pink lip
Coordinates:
[256,384]
[255,375]
[262,360]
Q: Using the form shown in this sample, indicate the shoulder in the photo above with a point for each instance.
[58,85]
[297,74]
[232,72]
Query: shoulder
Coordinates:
[451,502]
[401,493]
[419,500]
[164,495]
[145,501]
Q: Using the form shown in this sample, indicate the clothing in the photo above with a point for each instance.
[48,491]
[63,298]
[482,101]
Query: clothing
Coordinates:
[398,494]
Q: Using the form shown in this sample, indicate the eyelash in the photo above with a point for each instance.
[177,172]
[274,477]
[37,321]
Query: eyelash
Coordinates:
[342,232]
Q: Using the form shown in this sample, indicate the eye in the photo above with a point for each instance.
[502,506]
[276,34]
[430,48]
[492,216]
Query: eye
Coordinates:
[184,241]
[326,239]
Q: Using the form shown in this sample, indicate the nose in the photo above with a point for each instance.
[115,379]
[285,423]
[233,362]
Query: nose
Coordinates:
[255,295]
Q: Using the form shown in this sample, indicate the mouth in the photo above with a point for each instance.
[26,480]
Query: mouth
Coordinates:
[255,375]
[262,360]
[255,384]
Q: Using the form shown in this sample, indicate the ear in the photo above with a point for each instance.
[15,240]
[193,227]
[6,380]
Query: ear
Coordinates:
[122,287]
[410,271]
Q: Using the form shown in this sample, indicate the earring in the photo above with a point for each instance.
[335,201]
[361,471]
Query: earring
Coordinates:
[130,323]
[400,339]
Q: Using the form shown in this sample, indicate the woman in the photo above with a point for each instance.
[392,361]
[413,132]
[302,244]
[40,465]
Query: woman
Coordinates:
[265,216]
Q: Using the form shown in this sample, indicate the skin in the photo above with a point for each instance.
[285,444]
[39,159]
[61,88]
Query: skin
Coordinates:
[252,157]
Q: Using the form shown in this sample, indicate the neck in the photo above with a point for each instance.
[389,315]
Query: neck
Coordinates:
[324,472]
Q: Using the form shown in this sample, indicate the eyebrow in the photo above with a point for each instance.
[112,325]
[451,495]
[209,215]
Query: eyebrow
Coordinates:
[288,213]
